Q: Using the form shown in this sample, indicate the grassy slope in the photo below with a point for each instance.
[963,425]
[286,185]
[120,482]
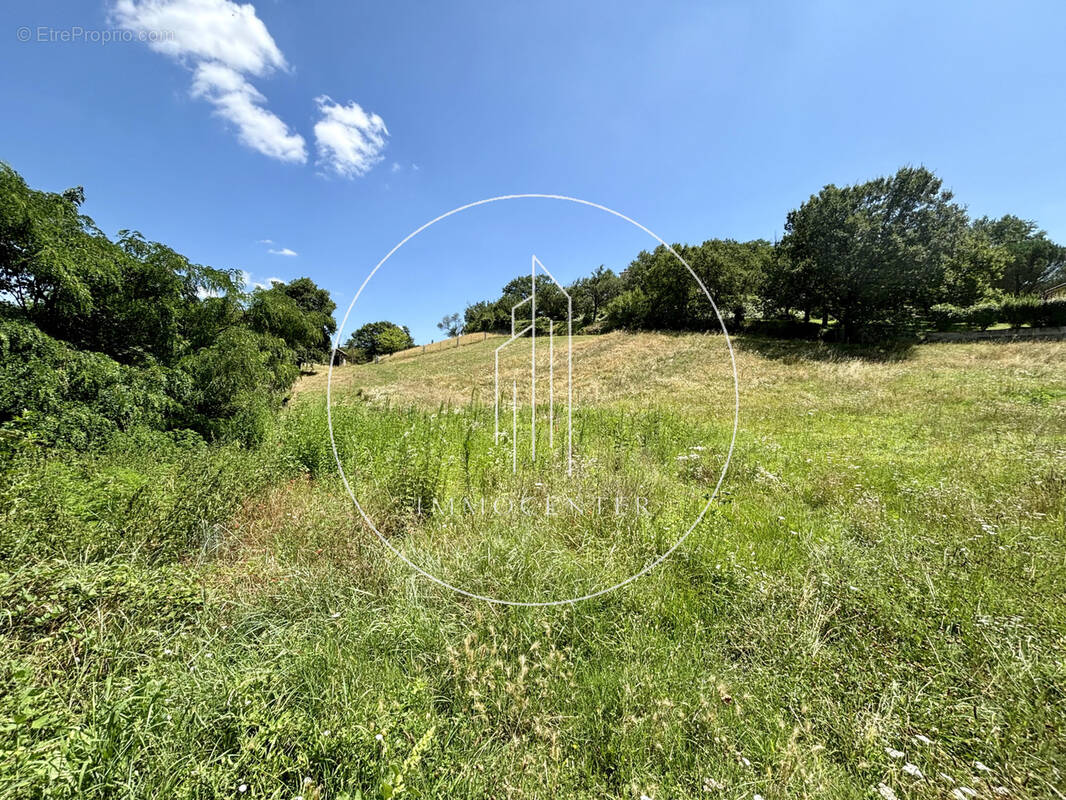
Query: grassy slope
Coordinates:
[886,563]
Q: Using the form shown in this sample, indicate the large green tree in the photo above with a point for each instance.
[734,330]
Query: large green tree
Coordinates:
[381,338]
[300,314]
[876,255]
[1033,261]
[592,293]
[660,292]
[99,335]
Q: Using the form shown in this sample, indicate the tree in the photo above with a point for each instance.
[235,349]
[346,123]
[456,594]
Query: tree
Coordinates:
[875,255]
[451,324]
[486,316]
[98,336]
[316,302]
[381,338]
[660,292]
[273,313]
[591,294]
[1033,261]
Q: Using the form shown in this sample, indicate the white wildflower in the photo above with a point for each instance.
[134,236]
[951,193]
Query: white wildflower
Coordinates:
[893,753]
[912,770]
[886,792]
[242,788]
[923,739]
[981,766]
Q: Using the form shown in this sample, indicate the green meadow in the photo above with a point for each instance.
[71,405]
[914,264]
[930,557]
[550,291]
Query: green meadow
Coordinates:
[870,607]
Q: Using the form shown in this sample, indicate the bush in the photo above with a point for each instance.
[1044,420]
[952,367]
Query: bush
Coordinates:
[56,394]
[945,316]
[1018,311]
[628,311]
[982,315]
[1052,313]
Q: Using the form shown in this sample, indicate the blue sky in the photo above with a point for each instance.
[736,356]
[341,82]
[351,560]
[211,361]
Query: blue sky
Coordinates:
[334,129]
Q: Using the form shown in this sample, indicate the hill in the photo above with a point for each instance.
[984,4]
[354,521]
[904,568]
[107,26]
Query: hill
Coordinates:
[874,600]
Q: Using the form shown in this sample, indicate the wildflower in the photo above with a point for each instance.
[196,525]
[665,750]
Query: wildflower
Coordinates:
[325,732]
[242,788]
[168,652]
[745,762]
[335,614]
[912,770]
[923,739]
[886,792]
[893,753]
[307,781]
[981,766]
[963,793]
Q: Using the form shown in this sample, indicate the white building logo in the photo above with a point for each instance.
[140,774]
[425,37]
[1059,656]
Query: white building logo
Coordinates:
[507,395]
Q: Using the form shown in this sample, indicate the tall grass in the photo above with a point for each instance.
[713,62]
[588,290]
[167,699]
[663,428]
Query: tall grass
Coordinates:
[882,575]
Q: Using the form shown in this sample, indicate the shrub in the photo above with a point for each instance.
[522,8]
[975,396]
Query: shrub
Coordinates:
[56,394]
[945,315]
[1018,311]
[628,311]
[982,315]
[1052,313]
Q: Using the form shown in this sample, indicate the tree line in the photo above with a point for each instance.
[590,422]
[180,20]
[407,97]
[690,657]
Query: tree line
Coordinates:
[98,336]
[871,261]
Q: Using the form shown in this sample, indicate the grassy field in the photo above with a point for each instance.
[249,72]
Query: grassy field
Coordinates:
[873,606]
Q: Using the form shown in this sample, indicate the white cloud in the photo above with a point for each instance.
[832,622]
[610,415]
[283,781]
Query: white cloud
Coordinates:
[266,241]
[221,41]
[204,30]
[239,102]
[349,141]
[396,166]
[284,251]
